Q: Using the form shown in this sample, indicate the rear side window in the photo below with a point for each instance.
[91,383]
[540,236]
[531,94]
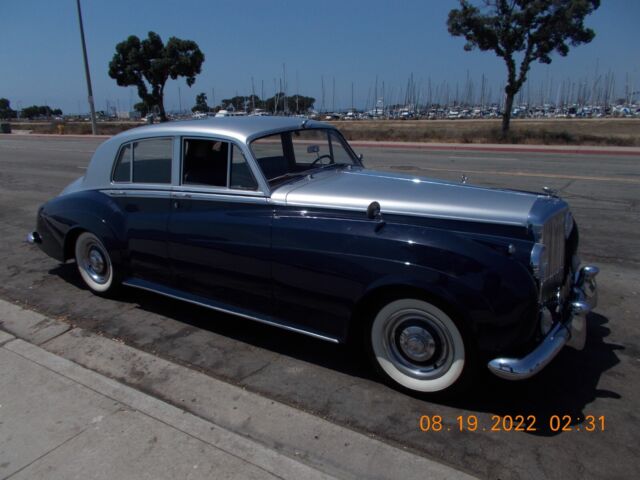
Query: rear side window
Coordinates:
[145,161]
[122,172]
[152,160]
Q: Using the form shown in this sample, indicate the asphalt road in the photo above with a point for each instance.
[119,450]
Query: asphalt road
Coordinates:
[325,379]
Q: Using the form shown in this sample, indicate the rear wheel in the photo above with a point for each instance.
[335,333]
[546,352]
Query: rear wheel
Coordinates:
[94,263]
[418,346]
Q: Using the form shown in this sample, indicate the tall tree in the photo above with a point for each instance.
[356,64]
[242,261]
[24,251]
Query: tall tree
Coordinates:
[524,30]
[148,64]
[201,103]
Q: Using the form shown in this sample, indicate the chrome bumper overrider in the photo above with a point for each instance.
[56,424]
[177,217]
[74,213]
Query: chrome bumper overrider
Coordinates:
[571,332]
[34,237]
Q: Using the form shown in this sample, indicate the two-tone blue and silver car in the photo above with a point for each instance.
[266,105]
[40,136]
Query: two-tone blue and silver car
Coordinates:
[277,220]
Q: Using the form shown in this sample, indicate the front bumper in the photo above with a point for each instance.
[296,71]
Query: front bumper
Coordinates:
[570,331]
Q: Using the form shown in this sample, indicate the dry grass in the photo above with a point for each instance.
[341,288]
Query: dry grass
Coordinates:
[74,128]
[618,132]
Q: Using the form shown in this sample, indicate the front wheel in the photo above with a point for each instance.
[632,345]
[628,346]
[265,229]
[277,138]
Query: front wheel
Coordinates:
[94,263]
[418,346]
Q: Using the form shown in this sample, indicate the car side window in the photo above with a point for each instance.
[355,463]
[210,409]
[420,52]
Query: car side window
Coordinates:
[205,162]
[152,160]
[122,170]
[241,177]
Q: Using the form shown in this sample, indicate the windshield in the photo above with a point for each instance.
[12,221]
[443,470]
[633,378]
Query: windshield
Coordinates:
[294,153]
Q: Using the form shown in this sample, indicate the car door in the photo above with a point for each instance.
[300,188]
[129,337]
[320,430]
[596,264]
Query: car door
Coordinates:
[141,182]
[220,228]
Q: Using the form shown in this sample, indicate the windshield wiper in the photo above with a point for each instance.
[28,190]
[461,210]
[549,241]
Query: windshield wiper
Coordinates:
[335,164]
[286,176]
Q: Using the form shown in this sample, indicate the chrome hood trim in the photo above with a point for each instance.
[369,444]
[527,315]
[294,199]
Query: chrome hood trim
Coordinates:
[356,188]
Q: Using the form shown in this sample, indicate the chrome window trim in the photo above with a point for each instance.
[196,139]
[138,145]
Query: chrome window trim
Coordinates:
[115,164]
[260,181]
[131,142]
[138,192]
[219,197]
[168,192]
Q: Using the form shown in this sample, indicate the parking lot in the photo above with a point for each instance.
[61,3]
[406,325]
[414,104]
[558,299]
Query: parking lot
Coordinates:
[325,379]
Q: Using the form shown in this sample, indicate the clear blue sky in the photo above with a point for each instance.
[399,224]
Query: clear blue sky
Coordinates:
[351,41]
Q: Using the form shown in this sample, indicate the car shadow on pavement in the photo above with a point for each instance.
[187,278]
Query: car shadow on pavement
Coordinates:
[565,387]
[194,319]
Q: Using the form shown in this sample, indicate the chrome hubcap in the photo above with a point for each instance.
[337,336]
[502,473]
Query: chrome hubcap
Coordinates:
[96,260]
[417,343]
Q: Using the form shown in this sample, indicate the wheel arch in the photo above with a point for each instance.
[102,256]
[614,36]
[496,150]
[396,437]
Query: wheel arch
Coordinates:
[379,295]
[70,241]
[106,235]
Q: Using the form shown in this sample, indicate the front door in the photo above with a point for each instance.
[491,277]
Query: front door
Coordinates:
[220,228]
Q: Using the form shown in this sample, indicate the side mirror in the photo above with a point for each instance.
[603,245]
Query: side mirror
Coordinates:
[373,211]
[313,149]
[360,157]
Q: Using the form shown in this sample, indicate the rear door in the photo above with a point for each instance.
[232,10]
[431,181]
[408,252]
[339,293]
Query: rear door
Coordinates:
[220,227]
[141,182]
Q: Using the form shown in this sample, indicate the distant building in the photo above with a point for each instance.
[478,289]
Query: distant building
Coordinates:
[130,115]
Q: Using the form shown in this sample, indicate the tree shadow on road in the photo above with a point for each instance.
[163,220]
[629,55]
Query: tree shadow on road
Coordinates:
[565,387]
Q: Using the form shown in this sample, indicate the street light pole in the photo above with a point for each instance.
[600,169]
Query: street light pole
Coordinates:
[94,127]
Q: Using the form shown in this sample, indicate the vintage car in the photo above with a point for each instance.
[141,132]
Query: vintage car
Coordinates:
[278,221]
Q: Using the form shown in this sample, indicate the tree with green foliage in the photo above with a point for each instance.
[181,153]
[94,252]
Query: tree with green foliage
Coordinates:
[295,103]
[147,64]
[201,103]
[38,111]
[142,108]
[5,109]
[524,30]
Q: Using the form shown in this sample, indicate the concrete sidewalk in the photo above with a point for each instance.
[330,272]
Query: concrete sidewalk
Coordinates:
[61,420]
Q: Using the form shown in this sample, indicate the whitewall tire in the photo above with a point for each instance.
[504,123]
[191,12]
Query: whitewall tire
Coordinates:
[417,345]
[94,263]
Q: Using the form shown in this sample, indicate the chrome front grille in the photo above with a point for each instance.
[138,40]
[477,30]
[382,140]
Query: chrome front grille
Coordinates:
[553,239]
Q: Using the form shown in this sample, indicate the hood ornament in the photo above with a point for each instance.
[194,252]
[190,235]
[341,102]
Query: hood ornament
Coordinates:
[464,178]
[550,191]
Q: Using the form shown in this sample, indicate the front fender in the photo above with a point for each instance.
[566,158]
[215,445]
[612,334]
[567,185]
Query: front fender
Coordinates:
[489,288]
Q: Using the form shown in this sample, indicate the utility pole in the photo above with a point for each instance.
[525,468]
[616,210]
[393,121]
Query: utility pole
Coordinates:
[92,108]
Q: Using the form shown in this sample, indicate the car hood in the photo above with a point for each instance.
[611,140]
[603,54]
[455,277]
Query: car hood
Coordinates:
[356,188]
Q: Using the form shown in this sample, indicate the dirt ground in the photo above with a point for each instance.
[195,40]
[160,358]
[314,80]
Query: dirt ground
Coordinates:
[623,131]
